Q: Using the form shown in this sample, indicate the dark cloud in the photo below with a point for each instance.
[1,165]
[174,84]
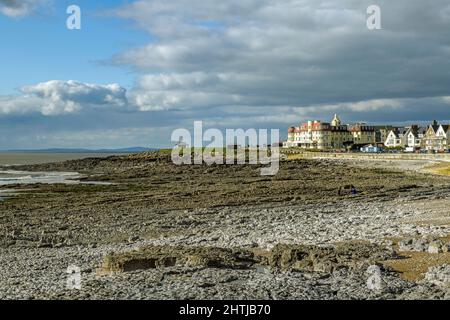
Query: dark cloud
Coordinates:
[17,8]
[287,52]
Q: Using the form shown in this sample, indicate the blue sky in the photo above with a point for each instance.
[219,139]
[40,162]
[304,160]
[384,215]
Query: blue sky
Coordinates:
[39,47]
[138,69]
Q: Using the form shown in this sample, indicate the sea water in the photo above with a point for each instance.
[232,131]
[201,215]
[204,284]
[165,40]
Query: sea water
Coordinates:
[9,177]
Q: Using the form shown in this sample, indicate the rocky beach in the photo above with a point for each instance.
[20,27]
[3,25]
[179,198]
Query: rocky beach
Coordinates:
[148,229]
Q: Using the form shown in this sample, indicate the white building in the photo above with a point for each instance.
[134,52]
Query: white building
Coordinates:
[323,135]
[437,137]
[413,137]
[320,135]
[408,137]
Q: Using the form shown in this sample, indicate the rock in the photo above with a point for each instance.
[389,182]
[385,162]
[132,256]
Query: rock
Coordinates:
[44,244]
[375,282]
[153,257]
[388,243]
[418,245]
[133,239]
[405,245]
[439,276]
[435,247]
[373,269]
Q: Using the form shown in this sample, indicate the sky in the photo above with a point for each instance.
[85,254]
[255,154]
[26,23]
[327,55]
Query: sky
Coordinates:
[138,69]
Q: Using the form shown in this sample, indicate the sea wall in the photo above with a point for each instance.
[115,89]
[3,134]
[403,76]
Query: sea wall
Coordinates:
[368,156]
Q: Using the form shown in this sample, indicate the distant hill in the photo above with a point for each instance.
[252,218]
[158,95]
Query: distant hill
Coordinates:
[82,150]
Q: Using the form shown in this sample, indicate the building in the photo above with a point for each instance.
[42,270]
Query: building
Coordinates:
[405,137]
[395,138]
[363,134]
[310,135]
[341,137]
[381,133]
[319,135]
[413,137]
[436,138]
[336,122]
[335,136]
[315,135]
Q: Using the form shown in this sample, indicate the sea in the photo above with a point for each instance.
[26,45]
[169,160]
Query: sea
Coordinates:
[9,159]
[9,176]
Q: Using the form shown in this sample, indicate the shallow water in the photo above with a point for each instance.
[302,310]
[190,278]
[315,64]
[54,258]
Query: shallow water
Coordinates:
[10,177]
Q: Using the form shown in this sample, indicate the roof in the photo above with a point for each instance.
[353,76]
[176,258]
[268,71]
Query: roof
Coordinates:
[422,130]
[362,127]
[416,131]
[341,128]
[399,132]
[435,127]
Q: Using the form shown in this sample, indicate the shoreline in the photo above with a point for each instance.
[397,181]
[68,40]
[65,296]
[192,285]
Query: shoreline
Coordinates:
[159,206]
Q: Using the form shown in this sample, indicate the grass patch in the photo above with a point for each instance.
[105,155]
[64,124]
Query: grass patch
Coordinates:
[413,265]
[295,156]
[441,169]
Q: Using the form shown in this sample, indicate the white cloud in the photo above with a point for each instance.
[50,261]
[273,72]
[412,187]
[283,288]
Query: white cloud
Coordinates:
[182,91]
[446,99]
[366,106]
[18,104]
[64,97]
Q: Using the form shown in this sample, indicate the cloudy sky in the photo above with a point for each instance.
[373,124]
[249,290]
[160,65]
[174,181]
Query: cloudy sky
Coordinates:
[139,69]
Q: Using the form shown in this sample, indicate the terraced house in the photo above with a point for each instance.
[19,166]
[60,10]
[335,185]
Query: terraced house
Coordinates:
[434,138]
[437,137]
[395,137]
[335,135]
[406,137]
